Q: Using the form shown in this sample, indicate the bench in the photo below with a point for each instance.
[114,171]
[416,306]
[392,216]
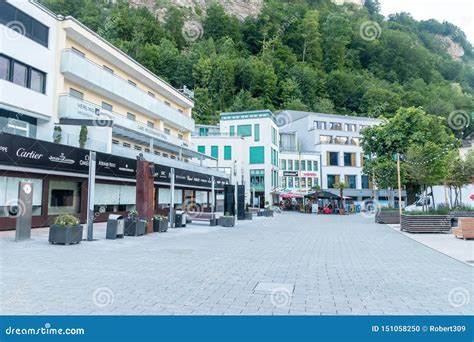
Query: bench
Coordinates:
[465,229]
[203,217]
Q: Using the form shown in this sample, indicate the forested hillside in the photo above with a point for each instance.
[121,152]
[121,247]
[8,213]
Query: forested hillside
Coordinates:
[299,54]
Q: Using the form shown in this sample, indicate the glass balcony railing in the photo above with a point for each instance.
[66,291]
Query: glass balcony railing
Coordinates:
[83,71]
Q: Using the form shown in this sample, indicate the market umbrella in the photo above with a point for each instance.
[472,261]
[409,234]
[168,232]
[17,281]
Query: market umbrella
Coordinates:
[322,195]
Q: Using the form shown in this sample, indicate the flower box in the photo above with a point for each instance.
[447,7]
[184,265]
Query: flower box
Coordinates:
[426,223]
[227,221]
[135,227]
[160,225]
[65,235]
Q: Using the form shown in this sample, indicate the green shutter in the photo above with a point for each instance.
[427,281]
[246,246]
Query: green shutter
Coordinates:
[215,151]
[257,155]
[244,130]
[202,149]
[256,132]
[227,152]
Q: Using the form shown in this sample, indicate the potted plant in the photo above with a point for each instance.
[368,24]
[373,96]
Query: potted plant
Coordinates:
[160,223]
[66,230]
[134,225]
[227,220]
[341,186]
[387,215]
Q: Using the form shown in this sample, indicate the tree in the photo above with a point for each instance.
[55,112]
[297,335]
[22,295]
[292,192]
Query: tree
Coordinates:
[459,173]
[341,186]
[309,27]
[83,136]
[336,37]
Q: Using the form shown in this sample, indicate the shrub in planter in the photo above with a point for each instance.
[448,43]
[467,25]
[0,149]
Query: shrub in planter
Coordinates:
[134,225]
[160,223]
[227,220]
[66,230]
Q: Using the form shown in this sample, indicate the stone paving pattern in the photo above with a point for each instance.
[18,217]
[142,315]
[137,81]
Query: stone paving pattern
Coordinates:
[339,265]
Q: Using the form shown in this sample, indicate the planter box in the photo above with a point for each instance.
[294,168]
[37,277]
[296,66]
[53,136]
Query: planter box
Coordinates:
[227,221]
[134,228]
[160,226]
[248,215]
[387,217]
[426,224]
[65,235]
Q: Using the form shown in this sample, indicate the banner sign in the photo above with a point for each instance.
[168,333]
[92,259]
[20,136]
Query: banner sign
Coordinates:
[26,152]
[290,173]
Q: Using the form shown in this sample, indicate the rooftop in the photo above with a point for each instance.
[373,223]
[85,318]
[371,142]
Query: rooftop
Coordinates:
[297,115]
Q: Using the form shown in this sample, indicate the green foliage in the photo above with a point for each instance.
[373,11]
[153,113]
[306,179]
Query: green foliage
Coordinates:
[66,220]
[83,136]
[302,55]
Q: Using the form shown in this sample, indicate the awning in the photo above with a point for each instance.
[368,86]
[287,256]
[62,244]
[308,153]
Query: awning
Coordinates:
[288,195]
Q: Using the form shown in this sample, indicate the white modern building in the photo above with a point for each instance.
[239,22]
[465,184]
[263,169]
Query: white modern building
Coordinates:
[247,144]
[28,59]
[337,139]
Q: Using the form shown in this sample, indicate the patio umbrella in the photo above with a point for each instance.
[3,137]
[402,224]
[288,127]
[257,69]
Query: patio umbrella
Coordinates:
[321,194]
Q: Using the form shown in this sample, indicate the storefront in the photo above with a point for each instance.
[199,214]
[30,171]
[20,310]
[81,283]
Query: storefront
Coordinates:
[59,176]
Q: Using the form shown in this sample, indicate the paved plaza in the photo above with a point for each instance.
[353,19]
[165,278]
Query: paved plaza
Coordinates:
[295,264]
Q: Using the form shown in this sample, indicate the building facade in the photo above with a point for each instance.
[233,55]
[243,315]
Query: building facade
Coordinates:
[65,87]
[336,138]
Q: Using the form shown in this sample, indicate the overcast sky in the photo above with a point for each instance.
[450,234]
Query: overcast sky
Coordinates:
[458,12]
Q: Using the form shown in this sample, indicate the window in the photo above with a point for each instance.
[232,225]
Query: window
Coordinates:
[37,81]
[350,127]
[297,165]
[180,110]
[203,131]
[354,141]
[151,94]
[290,165]
[150,124]
[325,139]
[202,149]
[332,158]
[244,130]
[138,148]
[20,74]
[106,68]
[165,155]
[283,164]
[107,106]
[332,179]
[232,131]
[290,182]
[215,152]
[349,159]
[180,136]
[167,131]
[18,127]
[257,180]
[337,126]
[132,83]
[319,125]
[147,150]
[310,182]
[256,132]
[365,182]
[173,156]
[115,141]
[257,155]
[283,182]
[315,165]
[126,144]
[303,182]
[4,68]
[167,103]
[76,93]
[227,152]
[303,165]
[274,136]
[350,181]
[297,182]
[158,153]
[310,165]
[30,27]
[341,140]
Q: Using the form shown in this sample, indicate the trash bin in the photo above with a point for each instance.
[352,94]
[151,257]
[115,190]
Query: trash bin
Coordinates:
[179,219]
[115,227]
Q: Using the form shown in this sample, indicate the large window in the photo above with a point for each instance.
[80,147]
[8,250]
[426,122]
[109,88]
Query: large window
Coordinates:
[30,27]
[333,158]
[319,125]
[350,181]
[215,152]
[22,74]
[257,180]
[283,164]
[303,165]
[349,159]
[257,155]
[256,132]
[365,182]
[227,152]
[202,149]
[64,197]
[297,165]
[244,130]
[9,195]
[325,139]
[290,165]
[332,180]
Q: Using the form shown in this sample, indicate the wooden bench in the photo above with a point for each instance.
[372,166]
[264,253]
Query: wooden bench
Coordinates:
[465,229]
[202,216]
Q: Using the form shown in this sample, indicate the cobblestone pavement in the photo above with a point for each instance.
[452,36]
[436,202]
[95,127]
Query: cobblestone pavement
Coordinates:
[296,264]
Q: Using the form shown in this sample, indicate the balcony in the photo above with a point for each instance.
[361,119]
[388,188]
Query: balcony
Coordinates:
[88,74]
[73,108]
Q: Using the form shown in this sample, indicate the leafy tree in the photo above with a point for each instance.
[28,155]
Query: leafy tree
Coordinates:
[312,52]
